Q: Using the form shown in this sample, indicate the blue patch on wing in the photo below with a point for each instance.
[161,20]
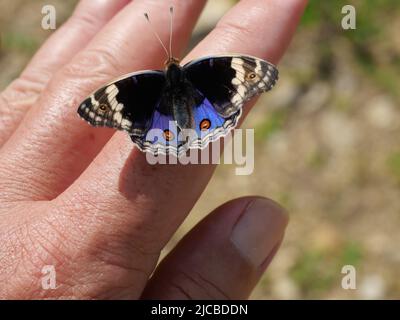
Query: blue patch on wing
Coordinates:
[163,131]
[206,118]
[210,125]
[161,137]
[165,137]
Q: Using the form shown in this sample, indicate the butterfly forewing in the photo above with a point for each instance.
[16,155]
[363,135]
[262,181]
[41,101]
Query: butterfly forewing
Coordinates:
[229,81]
[126,104]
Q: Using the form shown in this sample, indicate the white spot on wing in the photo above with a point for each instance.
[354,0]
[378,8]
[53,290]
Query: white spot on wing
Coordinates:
[258,69]
[112,92]
[94,102]
[126,124]
[238,82]
[117,117]
[119,107]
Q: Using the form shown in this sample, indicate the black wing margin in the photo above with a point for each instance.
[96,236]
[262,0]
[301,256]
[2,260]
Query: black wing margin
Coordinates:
[125,104]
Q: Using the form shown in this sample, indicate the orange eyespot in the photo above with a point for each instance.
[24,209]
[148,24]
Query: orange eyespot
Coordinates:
[205,124]
[168,135]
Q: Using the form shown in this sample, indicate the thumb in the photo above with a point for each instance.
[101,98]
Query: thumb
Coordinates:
[225,255]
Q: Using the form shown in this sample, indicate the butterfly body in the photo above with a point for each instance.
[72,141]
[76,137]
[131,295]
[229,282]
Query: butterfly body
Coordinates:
[179,97]
[205,96]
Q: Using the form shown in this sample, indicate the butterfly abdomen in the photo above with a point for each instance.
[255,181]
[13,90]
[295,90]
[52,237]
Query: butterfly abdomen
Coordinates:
[182,111]
[180,97]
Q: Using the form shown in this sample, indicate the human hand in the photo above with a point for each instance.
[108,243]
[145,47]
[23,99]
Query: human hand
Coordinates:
[86,201]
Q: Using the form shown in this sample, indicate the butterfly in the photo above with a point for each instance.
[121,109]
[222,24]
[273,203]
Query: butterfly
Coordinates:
[182,107]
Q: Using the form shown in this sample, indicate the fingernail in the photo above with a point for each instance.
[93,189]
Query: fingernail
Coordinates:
[259,229]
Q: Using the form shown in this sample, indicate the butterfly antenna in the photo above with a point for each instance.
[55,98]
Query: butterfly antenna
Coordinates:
[156,35]
[171,11]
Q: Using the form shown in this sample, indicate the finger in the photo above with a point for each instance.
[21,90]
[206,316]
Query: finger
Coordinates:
[142,204]
[52,129]
[224,256]
[242,30]
[70,38]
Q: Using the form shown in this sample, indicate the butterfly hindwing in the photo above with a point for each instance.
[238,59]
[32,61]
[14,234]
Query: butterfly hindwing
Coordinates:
[229,81]
[126,104]
[210,125]
[167,138]
[162,136]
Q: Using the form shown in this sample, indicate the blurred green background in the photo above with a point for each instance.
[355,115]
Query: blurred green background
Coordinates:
[327,144]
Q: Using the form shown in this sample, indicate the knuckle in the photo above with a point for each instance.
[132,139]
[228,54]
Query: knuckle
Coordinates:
[94,63]
[22,92]
[84,19]
[108,236]
[23,87]
[90,266]
[5,112]
[26,247]
[127,232]
[235,30]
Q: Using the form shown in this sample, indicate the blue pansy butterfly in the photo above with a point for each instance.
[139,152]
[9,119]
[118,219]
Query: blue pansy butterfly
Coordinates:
[181,107]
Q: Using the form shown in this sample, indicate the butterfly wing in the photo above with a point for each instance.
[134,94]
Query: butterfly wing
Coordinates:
[210,125]
[229,81]
[163,136]
[166,137]
[125,104]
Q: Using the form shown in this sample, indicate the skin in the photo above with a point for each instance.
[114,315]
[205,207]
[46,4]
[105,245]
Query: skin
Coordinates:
[86,201]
